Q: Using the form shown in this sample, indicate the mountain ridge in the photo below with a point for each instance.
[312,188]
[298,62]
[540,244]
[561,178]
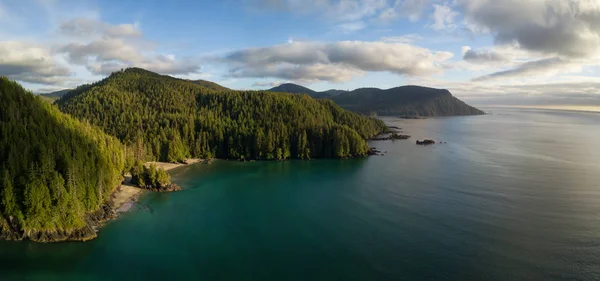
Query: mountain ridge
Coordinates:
[170,119]
[56,95]
[409,100]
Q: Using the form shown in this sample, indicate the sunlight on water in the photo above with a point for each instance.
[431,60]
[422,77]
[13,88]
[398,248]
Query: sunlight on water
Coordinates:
[511,196]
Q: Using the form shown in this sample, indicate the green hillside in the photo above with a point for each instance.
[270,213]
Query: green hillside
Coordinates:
[54,169]
[170,119]
[53,96]
[211,85]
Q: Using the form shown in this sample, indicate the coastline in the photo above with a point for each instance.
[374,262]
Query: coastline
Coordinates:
[121,200]
[127,194]
[170,166]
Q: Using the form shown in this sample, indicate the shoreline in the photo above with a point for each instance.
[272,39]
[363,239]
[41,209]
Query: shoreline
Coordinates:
[170,166]
[126,194]
[122,199]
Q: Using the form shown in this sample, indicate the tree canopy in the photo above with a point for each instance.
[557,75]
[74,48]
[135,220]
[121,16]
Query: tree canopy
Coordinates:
[54,169]
[169,119]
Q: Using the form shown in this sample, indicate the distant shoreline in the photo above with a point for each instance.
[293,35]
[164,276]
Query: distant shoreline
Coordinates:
[588,109]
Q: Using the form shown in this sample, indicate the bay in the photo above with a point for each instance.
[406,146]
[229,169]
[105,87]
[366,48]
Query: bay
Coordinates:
[513,195]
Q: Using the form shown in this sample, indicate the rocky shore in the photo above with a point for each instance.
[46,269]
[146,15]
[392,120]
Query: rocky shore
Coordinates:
[166,188]
[10,230]
[120,201]
[393,136]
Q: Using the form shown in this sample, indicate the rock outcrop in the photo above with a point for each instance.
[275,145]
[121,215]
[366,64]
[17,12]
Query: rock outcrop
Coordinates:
[425,142]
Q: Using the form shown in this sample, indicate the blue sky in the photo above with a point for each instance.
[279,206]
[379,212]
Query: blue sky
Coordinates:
[532,52]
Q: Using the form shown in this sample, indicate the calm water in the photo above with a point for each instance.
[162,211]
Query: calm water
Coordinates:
[512,196]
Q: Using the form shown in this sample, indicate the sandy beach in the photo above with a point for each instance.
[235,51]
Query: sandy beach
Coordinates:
[125,196]
[171,166]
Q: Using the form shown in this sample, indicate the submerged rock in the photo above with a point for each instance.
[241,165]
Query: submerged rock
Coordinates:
[374,151]
[425,142]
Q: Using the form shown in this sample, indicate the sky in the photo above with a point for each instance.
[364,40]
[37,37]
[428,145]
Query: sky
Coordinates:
[487,52]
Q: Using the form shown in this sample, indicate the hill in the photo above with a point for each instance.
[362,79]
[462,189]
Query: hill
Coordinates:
[292,89]
[53,96]
[333,92]
[405,101]
[297,89]
[210,85]
[400,101]
[55,171]
[170,119]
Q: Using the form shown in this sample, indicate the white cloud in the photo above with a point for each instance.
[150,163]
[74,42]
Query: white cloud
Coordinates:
[260,84]
[547,37]
[335,10]
[84,27]
[443,17]
[107,48]
[334,62]
[568,28]
[31,62]
[405,39]
[567,90]
[544,67]
[350,27]
[411,9]
[349,11]
[82,44]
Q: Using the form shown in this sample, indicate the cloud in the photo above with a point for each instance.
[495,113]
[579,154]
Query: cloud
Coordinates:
[551,94]
[566,28]
[548,66]
[4,16]
[101,50]
[83,27]
[334,62]
[267,84]
[405,39]
[443,17]
[159,63]
[336,10]
[349,11]
[411,9]
[107,48]
[564,90]
[483,56]
[350,27]
[32,63]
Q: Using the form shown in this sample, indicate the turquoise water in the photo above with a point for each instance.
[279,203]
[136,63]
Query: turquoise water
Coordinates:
[514,195]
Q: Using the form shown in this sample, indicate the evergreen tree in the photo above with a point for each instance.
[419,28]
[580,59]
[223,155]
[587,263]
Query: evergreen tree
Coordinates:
[55,169]
[175,119]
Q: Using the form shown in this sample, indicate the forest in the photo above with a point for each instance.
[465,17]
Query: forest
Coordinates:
[54,169]
[60,163]
[168,119]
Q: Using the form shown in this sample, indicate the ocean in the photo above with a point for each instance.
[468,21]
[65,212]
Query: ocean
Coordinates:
[513,195]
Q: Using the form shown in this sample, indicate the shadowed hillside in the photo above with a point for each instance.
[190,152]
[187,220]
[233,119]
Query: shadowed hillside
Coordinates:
[400,101]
